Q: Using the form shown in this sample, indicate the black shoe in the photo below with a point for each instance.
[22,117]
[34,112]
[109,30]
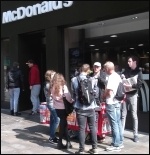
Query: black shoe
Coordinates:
[17,113]
[53,140]
[61,146]
[12,112]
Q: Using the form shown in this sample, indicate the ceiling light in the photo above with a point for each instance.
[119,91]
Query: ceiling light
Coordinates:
[131,48]
[140,44]
[92,45]
[96,49]
[124,51]
[113,36]
[106,42]
[135,17]
[147,52]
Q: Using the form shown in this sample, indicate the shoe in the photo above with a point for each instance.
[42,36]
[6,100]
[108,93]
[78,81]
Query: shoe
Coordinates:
[136,139]
[69,146]
[121,146]
[80,152]
[12,112]
[32,113]
[17,113]
[93,151]
[61,146]
[53,140]
[113,148]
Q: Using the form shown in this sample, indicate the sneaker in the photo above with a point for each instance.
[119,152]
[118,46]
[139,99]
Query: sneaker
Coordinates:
[93,151]
[17,113]
[53,140]
[80,152]
[32,113]
[12,112]
[136,139]
[113,148]
[121,146]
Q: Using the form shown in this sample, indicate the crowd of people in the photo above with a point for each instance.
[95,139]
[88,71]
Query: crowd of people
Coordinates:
[106,81]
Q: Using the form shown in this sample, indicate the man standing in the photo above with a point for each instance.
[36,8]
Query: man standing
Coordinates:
[85,113]
[35,85]
[131,96]
[14,81]
[113,107]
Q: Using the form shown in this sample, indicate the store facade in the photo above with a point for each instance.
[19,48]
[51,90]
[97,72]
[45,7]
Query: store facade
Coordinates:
[46,32]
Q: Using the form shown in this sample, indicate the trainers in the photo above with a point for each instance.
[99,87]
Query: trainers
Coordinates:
[121,146]
[53,140]
[136,139]
[113,148]
[93,151]
[32,113]
[80,152]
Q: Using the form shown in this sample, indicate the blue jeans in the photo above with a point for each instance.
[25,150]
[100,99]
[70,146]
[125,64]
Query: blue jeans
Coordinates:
[54,121]
[14,96]
[114,116]
[35,92]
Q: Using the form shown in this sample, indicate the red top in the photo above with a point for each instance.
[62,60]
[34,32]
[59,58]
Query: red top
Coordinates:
[34,76]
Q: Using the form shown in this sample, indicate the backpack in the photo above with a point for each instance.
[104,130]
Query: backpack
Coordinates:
[120,92]
[86,94]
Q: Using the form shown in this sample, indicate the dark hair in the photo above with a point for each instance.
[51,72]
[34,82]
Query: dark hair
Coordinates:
[134,58]
[31,61]
[15,64]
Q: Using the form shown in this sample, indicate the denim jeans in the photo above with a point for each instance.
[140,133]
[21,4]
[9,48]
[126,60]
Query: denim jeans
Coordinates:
[114,116]
[14,97]
[132,101]
[35,91]
[83,119]
[54,121]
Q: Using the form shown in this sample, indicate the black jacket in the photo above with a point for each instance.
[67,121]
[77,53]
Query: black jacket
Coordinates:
[131,73]
[14,78]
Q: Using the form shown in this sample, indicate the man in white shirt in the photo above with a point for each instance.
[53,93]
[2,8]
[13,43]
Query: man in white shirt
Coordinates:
[113,107]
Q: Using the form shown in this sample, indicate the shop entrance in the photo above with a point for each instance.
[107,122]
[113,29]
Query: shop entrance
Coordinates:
[31,46]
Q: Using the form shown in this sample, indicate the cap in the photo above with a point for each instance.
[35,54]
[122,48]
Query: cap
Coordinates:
[30,61]
[97,64]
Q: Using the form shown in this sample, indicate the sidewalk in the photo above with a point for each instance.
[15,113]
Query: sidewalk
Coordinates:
[25,135]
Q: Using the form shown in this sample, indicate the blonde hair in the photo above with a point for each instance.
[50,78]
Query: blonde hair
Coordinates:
[109,65]
[85,68]
[49,75]
[58,82]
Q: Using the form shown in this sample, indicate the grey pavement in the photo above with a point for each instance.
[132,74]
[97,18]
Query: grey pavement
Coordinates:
[26,135]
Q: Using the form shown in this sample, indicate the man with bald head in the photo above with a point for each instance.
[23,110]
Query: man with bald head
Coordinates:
[113,107]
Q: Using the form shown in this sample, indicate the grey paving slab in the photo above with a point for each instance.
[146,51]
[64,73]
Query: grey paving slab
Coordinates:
[26,135]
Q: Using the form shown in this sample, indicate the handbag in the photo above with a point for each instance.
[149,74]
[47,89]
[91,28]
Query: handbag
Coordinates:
[68,106]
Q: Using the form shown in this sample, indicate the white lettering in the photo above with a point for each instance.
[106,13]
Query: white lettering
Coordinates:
[29,11]
[44,7]
[21,13]
[57,5]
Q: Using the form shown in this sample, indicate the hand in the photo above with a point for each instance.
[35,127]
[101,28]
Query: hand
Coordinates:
[127,85]
[30,87]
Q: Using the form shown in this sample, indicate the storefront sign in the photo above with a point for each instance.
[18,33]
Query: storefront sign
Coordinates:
[29,11]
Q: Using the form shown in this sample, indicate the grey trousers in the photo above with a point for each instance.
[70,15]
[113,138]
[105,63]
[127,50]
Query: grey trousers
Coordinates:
[131,100]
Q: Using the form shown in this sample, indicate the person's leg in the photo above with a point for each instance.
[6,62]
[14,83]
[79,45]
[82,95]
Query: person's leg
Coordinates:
[133,103]
[35,97]
[118,114]
[82,124]
[54,122]
[111,113]
[123,109]
[11,98]
[16,98]
[92,127]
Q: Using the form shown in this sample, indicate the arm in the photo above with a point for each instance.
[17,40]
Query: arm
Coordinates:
[67,94]
[139,81]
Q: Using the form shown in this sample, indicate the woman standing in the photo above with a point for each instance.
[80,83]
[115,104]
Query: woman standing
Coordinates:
[54,119]
[58,90]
